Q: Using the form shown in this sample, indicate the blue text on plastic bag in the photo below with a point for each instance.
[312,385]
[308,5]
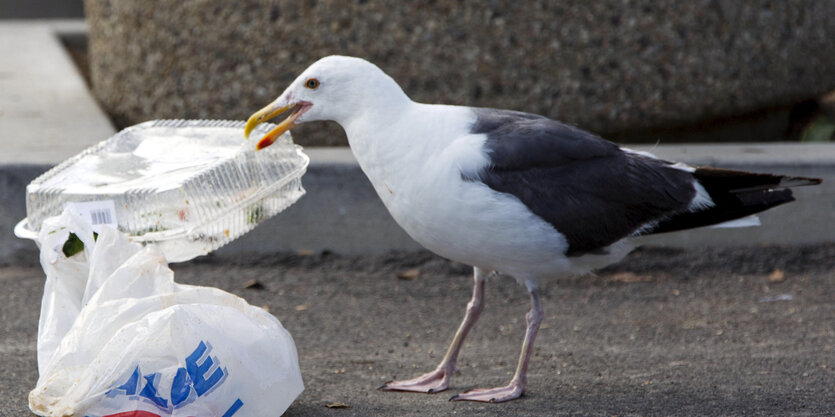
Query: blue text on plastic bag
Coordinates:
[190,382]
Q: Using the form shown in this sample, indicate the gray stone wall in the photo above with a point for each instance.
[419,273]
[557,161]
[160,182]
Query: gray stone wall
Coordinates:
[607,65]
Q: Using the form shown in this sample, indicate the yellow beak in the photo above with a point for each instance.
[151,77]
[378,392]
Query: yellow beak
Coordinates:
[265,114]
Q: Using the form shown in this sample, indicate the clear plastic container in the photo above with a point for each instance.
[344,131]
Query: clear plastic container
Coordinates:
[190,186]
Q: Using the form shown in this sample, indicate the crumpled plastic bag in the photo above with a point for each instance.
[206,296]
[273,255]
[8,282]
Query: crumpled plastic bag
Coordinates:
[118,337]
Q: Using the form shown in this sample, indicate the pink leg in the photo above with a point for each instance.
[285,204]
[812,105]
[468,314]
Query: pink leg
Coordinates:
[438,380]
[517,384]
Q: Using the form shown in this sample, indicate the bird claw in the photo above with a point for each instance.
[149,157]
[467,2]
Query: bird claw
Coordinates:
[429,383]
[509,392]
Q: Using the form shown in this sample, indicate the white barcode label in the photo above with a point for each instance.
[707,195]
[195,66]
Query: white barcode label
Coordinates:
[96,212]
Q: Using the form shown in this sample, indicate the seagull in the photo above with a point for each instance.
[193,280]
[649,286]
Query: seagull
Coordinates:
[508,192]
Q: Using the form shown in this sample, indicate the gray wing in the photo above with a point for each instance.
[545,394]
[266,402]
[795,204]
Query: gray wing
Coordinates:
[589,189]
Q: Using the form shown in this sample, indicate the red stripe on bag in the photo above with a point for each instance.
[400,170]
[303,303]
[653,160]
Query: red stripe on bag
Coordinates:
[134,413]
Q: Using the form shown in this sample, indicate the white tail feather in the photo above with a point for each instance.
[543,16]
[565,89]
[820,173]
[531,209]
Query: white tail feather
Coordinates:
[749,221]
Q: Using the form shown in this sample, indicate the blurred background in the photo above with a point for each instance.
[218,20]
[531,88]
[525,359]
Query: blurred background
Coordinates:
[631,70]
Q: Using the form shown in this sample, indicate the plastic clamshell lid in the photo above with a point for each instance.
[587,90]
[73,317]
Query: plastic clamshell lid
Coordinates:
[190,186]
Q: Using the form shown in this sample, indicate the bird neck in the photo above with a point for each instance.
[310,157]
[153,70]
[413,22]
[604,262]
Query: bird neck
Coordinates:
[404,138]
[374,134]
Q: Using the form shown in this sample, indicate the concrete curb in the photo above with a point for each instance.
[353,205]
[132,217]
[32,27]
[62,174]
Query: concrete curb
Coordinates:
[342,213]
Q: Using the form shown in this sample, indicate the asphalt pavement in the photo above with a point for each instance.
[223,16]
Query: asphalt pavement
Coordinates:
[667,332]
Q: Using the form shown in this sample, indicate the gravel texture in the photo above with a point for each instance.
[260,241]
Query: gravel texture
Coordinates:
[666,332]
[611,66]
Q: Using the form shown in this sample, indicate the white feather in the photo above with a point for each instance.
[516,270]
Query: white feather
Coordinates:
[702,199]
[749,221]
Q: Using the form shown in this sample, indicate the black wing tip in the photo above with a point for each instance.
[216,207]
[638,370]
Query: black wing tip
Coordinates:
[741,181]
[789,182]
[736,194]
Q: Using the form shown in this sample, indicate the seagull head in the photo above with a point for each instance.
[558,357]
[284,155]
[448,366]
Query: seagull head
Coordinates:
[336,88]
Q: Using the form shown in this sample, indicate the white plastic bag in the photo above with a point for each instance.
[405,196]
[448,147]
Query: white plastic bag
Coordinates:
[118,337]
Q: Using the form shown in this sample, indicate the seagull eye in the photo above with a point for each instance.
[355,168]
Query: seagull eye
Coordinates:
[312,83]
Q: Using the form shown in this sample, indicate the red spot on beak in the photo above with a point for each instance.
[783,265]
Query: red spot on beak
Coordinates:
[264,143]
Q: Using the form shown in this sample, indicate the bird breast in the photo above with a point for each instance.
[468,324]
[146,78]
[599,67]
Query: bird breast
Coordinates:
[417,172]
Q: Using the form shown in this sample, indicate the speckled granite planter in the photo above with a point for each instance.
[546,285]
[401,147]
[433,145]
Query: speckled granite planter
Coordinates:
[607,65]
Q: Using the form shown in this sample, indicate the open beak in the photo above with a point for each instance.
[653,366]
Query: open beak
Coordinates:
[268,113]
